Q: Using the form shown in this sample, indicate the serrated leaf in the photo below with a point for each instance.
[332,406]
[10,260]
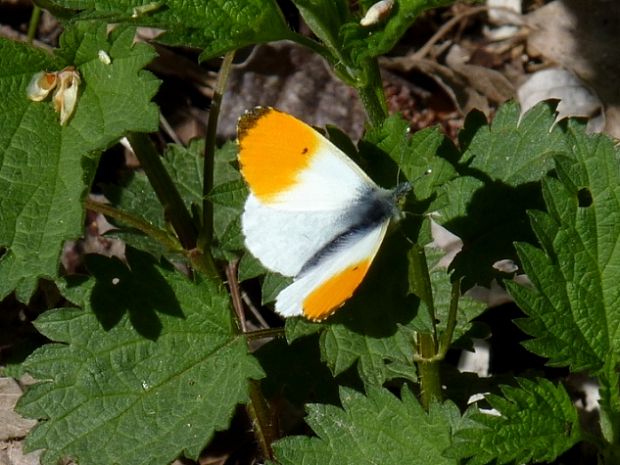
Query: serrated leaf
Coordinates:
[46,169]
[574,311]
[366,42]
[154,397]
[411,155]
[216,26]
[379,428]
[536,423]
[511,149]
[502,165]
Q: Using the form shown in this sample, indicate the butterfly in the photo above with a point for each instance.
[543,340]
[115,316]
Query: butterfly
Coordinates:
[311,213]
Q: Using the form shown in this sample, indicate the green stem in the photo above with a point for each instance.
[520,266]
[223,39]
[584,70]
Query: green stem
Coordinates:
[264,333]
[313,45]
[428,370]
[446,337]
[609,379]
[34,23]
[216,102]
[140,224]
[420,279]
[174,207]
[263,421]
[372,95]
[166,191]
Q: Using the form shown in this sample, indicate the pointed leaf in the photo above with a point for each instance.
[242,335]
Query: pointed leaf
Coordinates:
[379,428]
[536,423]
[574,310]
[216,26]
[152,364]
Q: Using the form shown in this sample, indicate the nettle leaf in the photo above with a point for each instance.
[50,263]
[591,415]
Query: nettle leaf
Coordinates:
[501,167]
[379,428]
[216,26]
[45,168]
[380,38]
[411,155]
[574,311]
[511,150]
[537,422]
[152,364]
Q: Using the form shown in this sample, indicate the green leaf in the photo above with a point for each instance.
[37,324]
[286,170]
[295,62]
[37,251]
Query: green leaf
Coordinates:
[379,428]
[536,423]
[216,26]
[46,169]
[367,42]
[513,150]
[152,364]
[325,18]
[573,311]
[409,155]
[501,168]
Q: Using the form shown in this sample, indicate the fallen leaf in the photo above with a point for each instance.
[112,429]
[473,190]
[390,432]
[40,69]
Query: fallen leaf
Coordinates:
[582,36]
[576,100]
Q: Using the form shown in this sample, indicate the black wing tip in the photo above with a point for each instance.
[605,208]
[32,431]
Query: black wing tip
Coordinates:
[249,119]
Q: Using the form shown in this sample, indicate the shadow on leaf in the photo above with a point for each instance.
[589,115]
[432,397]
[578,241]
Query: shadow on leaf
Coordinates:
[136,288]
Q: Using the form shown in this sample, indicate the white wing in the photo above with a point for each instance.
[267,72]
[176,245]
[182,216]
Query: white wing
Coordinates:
[285,240]
[323,288]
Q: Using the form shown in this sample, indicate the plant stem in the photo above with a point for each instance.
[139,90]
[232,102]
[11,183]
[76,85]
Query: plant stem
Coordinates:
[420,280]
[265,429]
[168,195]
[209,155]
[258,334]
[372,95]
[446,337]
[165,239]
[428,370]
[426,348]
[34,23]
[174,207]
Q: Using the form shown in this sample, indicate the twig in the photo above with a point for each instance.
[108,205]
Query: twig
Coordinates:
[233,285]
[140,224]
[444,29]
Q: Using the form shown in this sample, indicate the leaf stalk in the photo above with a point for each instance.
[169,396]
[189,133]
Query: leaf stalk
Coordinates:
[33,25]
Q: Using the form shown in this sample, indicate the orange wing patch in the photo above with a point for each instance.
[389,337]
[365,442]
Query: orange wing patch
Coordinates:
[327,298]
[274,148]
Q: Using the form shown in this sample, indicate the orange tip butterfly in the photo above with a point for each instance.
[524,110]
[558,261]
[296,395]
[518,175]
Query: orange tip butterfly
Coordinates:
[311,214]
